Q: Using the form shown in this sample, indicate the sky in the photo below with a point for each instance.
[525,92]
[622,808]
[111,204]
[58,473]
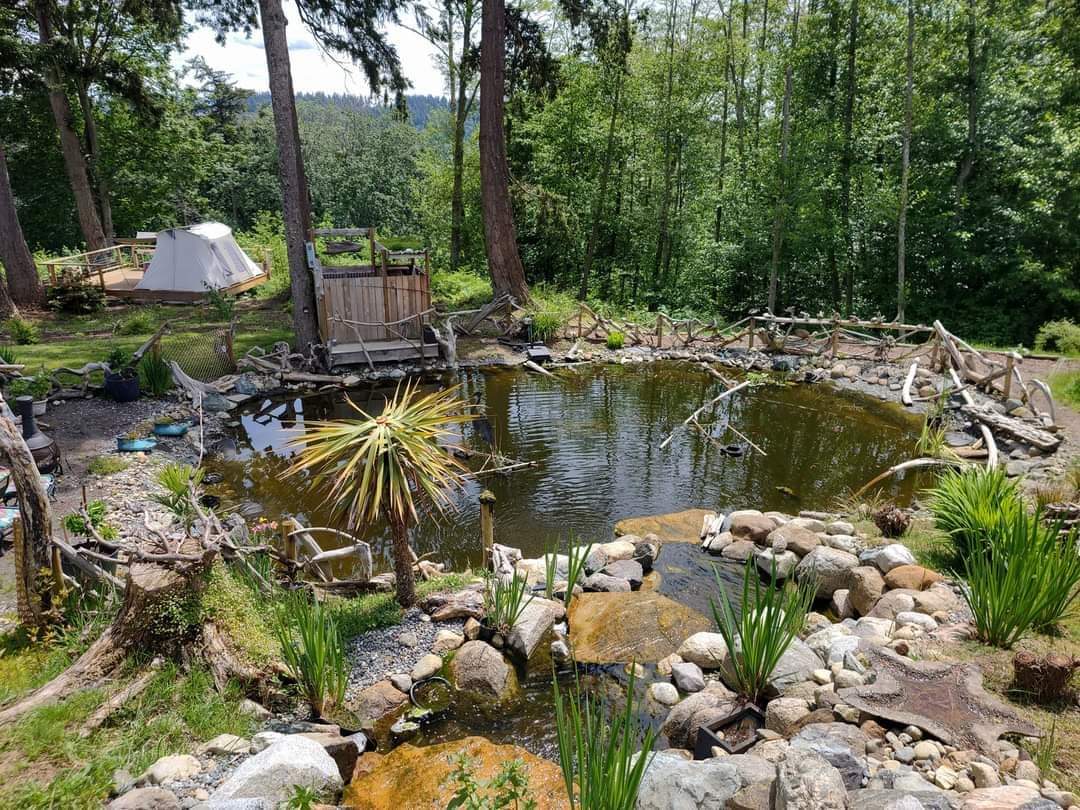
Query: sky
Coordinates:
[313,71]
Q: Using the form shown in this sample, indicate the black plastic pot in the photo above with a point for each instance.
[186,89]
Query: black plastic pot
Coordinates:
[122,388]
[744,721]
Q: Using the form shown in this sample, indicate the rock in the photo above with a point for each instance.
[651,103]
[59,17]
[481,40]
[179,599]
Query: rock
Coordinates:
[408,639]
[840,648]
[664,665]
[793,537]
[839,527]
[602,583]
[149,798]
[911,577]
[343,750]
[378,704]
[401,682]
[689,714]
[705,649]
[873,627]
[533,625]
[714,544]
[688,677]
[1026,769]
[740,550]
[918,619]
[812,524]
[254,710]
[427,667]
[781,714]
[805,781]
[673,783]
[886,558]
[1010,797]
[664,693]
[945,777]
[865,586]
[745,525]
[417,777]
[481,669]
[471,630]
[840,604]
[261,740]
[891,603]
[841,745]
[845,679]
[674,527]
[926,750]
[170,769]
[619,627]
[628,570]
[463,604]
[447,640]
[271,774]
[646,550]
[560,651]
[621,549]
[757,796]
[778,518]
[796,665]
[822,640]
[224,744]
[842,542]
[783,561]
[829,566]
[938,598]
[898,800]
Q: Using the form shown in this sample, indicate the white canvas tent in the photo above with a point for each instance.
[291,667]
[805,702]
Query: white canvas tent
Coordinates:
[198,258]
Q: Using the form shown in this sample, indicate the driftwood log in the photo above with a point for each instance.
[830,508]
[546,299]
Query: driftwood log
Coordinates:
[1042,439]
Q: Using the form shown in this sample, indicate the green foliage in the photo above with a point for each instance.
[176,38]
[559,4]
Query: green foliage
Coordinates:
[551,565]
[21,331]
[8,355]
[373,611]
[1058,336]
[1027,578]
[615,340]
[74,296]
[37,387]
[178,482]
[241,612]
[118,358]
[107,465]
[312,650]
[75,523]
[1046,749]
[460,290]
[969,504]
[302,798]
[140,321]
[222,306]
[546,325]
[1066,387]
[598,748]
[575,567]
[932,441]
[504,600]
[155,374]
[507,790]
[769,619]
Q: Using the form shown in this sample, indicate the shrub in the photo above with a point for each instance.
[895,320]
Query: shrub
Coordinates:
[8,356]
[118,359]
[970,504]
[1028,579]
[508,789]
[615,340]
[546,324]
[891,520]
[1058,336]
[75,296]
[155,373]
[22,331]
[107,465]
[222,306]
[768,620]
[504,600]
[312,650]
[460,290]
[37,387]
[139,322]
[598,750]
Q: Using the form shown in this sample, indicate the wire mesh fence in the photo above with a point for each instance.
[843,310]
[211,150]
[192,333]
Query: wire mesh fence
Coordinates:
[204,356]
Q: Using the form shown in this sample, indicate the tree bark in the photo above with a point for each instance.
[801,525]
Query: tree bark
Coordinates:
[70,145]
[504,263]
[462,104]
[785,138]
[96,171]
[967,163]
[404,580]
[847,158]
[23,283]
[905,163]
[291,171]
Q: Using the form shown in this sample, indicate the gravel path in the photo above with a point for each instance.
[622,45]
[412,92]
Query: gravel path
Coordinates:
[379,653]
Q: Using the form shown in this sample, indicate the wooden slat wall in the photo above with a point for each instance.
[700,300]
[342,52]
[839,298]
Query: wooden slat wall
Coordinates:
[371,299]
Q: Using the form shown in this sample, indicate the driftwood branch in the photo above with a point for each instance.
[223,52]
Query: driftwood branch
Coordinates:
[693,417]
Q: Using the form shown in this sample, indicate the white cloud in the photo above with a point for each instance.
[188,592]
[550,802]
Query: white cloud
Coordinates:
[313,71]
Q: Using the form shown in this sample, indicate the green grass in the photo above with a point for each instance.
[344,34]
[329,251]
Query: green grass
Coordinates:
[107,465]
[231,604]
[1065,386]
[362,614]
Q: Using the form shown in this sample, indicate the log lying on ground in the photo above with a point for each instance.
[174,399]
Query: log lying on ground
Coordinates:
[1021,431]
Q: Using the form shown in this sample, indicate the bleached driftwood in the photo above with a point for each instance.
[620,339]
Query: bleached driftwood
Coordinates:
[693,417]
[988,436]
[1042,439]
[914,463]
[905,392]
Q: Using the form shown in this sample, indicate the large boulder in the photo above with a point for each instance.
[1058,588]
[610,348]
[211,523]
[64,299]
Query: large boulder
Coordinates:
[688,715]
[886,558]
[271,774]
[671,782]
[740,550]
[805,781]
[534,623]
[793,537]
[782,714]
[604,583]
[841,745]
[878,799]
[707,650]
[893,602]
[911,577]
[865,585]
[343,750]
[748,525]
[463,604]
[829,567]
[378,705]
[607,628]
[674,527]
[1006,797]
[147,798]
[482,670]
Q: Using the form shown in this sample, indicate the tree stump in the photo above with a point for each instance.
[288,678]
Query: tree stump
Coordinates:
[1045,678]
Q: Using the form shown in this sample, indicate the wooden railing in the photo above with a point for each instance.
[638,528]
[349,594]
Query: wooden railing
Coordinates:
[96,263]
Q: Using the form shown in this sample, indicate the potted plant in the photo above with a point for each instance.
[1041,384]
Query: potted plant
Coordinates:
[37,387]
[164,426]
[121,380]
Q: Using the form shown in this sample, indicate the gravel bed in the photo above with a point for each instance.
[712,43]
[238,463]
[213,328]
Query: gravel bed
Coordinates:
[378,654]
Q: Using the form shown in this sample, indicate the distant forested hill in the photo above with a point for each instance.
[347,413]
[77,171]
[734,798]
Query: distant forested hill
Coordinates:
[420,107]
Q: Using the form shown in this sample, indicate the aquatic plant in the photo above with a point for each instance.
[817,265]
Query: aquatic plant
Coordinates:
[971,503]
[598,748]
[378,467]
[615,340]
[507,790]
[1027,579]
[932,441]
[504,601]
[312,651]
[575,566]
[768,621]
[551,568]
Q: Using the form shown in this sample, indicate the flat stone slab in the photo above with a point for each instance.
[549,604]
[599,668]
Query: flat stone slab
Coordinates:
[674,527]
[608,628]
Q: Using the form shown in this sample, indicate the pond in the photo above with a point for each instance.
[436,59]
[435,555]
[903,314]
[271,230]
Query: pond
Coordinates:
[594,436]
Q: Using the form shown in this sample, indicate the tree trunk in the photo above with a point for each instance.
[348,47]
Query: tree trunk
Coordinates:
[905,163]
[22,278]
[70,145]
[291,170]
[96,171]
[504,263]
[403,564]
[461,113]
[847,158]
[967,163]
[601,194]
[785,137]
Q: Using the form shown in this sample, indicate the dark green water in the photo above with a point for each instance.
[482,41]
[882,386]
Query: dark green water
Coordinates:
[594,435]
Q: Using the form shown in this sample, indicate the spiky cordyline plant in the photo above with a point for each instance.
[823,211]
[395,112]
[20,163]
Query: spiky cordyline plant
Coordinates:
[770,618]
[378,467]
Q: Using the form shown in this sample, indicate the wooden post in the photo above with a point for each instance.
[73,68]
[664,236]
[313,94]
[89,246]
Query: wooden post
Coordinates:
[753,329]
[1010,361]
[659,331]
[487,523]
[52,272]
[57,572]
[835,347]
[371,242]
[288,541]
[580,312]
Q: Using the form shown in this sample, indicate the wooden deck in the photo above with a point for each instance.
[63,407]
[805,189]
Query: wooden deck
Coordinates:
[380,351]
[121,284]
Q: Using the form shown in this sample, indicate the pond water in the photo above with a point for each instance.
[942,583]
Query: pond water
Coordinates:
[594,436]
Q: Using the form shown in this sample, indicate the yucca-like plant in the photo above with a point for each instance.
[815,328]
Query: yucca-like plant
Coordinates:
[598,750]
[972,503]
[312,651]
[1028,578]
[379,467]
[768,620]
[504,601]
[180,483]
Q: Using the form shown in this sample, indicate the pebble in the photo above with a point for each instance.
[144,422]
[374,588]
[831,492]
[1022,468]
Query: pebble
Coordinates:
[408,639]
[926,750]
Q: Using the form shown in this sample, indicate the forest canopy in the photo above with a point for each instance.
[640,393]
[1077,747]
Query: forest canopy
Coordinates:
[665,155]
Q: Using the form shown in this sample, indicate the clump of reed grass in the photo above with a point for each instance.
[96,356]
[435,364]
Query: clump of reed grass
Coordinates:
[504,601]
[312,650]
[970,504]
